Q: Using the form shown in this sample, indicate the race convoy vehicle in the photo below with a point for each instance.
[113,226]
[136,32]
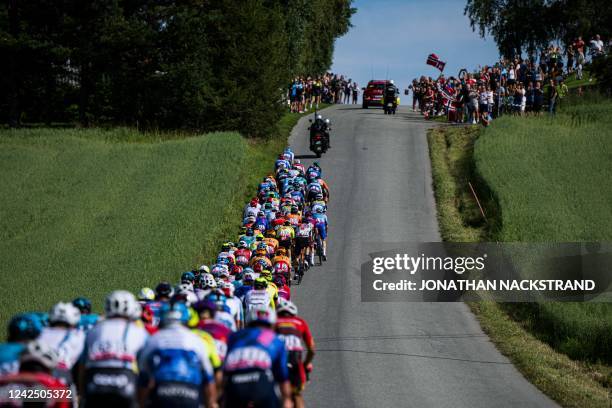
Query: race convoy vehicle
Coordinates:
[373,94]
[215,330]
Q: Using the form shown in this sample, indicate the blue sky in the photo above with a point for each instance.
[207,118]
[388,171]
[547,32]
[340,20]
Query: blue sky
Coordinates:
[398,35]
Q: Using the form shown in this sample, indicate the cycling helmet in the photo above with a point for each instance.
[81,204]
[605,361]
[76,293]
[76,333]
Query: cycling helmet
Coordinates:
[83,304]
[266,274]
[279,280]
[248,277]
[164,289]
[205,305]
[146,294]
[242,244]
[24,327]
[226,247]
[173,313]
[219,298]
[281,252]
[319,196]
[188,277]
[209,282]
[270,233]
[261,315]
[204,269]
[260,283]
[319,210]
[286,306]
[184,287]
[40,353]
[66,313]
[249,232]
[122,303]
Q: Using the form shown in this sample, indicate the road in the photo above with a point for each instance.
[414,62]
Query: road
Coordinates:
[409,354]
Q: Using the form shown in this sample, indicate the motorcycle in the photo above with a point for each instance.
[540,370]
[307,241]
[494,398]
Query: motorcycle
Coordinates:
[318,140]
[390,107]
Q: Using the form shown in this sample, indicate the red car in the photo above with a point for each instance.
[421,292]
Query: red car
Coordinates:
[373,93]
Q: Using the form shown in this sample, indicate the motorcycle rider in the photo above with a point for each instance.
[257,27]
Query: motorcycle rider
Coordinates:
[390,95]
[323,126]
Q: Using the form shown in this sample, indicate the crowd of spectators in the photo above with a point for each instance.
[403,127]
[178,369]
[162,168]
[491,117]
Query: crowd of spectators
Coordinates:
[308,92]
[518,86]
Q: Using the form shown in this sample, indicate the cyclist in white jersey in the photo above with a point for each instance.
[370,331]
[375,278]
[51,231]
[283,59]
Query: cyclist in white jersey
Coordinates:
[109,364]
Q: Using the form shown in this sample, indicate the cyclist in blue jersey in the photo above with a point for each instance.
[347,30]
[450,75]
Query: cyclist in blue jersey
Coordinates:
[21,329]
[256,362]
[88,319]
[175,368]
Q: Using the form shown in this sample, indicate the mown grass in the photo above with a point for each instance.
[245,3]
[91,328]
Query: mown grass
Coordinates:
[86,211]
[545,181]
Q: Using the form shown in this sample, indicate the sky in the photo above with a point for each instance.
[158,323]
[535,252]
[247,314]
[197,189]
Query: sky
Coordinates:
[392,39]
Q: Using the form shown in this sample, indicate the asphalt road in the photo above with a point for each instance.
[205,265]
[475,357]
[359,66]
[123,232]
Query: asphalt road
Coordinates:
[408,354]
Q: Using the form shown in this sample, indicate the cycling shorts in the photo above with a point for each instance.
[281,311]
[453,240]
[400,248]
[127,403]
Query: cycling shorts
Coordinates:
[250,389]
[285,243]
[322,228]
[175,395]
[109,387]
[297,372]
[301,243]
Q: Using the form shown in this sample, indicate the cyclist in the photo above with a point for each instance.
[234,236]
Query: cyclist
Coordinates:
[258,296]
[321,225]
[109,365]
[303,242]
[282,263]
[63,336]
[247,285]
[21,329]
[88,319]
[296,335]
[219,332]
[223,314]
[285,235]
[175,369]
[284,291]
[256,362]
[188,277]
[36,364]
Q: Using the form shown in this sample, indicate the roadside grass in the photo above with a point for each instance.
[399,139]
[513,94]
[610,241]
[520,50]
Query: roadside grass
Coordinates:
[532,184]
[86,211]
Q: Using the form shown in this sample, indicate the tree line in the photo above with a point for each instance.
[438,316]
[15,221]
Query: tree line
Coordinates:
[197,64]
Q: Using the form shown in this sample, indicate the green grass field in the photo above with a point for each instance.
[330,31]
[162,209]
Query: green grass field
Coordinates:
[83,212]
[550,180]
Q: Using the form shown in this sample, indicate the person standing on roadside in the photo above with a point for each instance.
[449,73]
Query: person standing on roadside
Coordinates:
[552,97]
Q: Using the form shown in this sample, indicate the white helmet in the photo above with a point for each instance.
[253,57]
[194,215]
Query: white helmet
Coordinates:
[41,353]
[204,269]
[146,294]
[327,121]
[210,282]
[122,303]
[287,306]
[184,288]
[261,314]
[319,116]
[392,82]
[64,312]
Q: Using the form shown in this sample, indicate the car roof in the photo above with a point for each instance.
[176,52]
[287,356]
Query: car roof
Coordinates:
[378,81]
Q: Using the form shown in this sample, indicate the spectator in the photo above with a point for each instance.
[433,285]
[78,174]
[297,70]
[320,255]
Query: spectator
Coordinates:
[552,97]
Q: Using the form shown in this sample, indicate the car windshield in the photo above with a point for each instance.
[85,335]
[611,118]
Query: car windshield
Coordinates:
[376,86]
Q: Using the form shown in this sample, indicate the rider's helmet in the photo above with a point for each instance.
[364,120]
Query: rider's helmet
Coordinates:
[248,278]
[319,196]
[260,283]
[391,82]
[286,306]
[219,298]
[279,280]
[294,209]
[146,294]
[24,327]
[40,353]
[242,244]
[266,274]
[249,232]
[319,116]
[261,315]
[188,277]
[122,303]
[66,313]
[270,233]
[172,313]
[319,210]
[205,305]
[287,223]
[208,281]
[204,269]
[164,289]
[83,304]
[281,252]
[184,288]
[327,121]
[262,246]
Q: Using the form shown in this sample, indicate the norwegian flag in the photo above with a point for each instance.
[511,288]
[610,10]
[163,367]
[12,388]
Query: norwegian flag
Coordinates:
[434,61]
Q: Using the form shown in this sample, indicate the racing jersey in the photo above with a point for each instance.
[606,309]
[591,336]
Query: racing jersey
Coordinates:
[88,321]
[225,317]
[219,333]
[295,332]
[114,343]
[175,354]
[68,343]
[37,383]
[282,264]
[305,230]
[285,232]
[152,311]
[320,219]
[294,219]
[284,292]
[258,297]
[256,349]
[211,348]
[242,291]
[235,306]
[9,357]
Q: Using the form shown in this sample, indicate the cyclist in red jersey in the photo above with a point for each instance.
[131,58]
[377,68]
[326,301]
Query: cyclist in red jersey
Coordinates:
[295,332]
[37,362]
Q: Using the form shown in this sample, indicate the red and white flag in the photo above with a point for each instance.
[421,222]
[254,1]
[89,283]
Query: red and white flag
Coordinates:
[434,61]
